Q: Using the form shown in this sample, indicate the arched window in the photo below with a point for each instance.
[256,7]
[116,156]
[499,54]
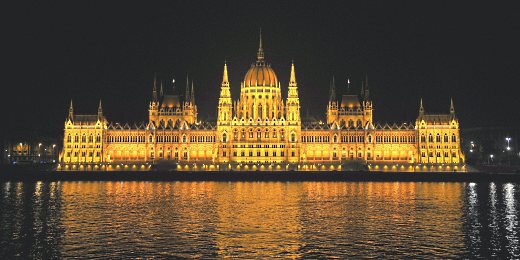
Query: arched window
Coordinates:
[358,123]
[274,133]
[438,139]
[243,134]
[293,137]
[453,138]
[266,133]
[423,138]
[282,134]
[335,139]
[91,138]
[369,138]
[445,138]
[83,138]
[258,134]
[224,137]
[69,138]
[430,138]
[350,123]
[183,138]
[235,134]
[250,133]
[150,139]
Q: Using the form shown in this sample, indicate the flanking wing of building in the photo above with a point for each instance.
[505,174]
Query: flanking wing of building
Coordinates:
[261,131]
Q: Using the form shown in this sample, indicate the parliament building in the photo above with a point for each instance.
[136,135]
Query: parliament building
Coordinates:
[261,131]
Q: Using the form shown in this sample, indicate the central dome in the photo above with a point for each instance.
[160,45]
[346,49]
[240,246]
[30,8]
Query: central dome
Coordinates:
[260,74]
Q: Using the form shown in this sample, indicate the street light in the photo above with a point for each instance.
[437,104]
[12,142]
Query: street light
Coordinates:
[508,148]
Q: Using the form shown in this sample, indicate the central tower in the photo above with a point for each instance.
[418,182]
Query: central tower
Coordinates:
[260,92]
[264,130]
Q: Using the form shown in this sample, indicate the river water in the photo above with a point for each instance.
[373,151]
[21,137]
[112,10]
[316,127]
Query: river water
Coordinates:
[259,220]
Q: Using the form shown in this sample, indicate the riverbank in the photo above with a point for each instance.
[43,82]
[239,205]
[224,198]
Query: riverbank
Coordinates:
[258,176]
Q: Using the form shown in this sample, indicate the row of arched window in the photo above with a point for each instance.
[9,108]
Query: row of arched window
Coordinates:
[438,138]
[241,135]
[84,138]
[350,123]
[395,139]
[126,139]
[202,138]
[316,139]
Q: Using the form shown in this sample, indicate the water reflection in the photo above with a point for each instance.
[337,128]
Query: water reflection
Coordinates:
[259,219]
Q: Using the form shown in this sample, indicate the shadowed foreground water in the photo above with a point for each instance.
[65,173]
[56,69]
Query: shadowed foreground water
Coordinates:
[259,219]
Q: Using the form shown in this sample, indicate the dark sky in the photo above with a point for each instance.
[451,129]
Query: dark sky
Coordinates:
[62,50]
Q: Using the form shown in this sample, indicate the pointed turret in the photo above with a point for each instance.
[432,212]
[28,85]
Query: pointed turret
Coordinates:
[362,93]
[100,109]
[332,91]
[260,54]
[192,97]
[225,79]
[225,105]
[293,86]
[187,91]
[421,109]
[162,90]
[367,91]
[71,110]
[452,108]
[154,92]
[292,81]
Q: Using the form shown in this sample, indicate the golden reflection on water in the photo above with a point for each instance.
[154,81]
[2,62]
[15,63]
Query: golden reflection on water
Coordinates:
[259,220]
[263,219]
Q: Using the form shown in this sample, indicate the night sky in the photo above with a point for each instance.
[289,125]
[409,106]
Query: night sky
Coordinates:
[62,50]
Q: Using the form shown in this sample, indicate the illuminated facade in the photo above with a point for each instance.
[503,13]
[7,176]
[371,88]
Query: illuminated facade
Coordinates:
[262,131]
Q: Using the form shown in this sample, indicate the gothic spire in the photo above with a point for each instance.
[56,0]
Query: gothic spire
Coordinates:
[100,109]
[225,79]
[71,110]
[421,108]
[332,91]
[192,98]
[162,90]
[187,91]
[154,92]
[452,108]
[292,81]
[367,91]
[260,54]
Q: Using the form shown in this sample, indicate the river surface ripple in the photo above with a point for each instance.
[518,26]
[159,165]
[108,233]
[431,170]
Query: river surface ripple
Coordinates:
[259,220]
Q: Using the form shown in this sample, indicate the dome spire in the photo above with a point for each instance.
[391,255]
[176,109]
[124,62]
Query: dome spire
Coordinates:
[260,54]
